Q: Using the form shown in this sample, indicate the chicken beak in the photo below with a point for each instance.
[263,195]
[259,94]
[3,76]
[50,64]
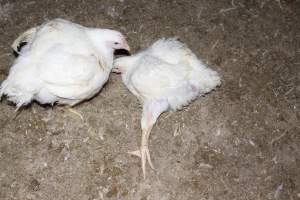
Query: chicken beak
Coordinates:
[116,70]
[126,46]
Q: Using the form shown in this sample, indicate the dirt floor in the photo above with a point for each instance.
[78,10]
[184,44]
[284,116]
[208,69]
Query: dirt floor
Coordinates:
[242,141]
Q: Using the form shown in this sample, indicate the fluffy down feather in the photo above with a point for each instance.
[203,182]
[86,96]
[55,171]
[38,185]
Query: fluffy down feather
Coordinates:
[167,75]
[62,62]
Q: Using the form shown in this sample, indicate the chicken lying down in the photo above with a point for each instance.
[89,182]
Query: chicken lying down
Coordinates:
[165,76]
[62,62]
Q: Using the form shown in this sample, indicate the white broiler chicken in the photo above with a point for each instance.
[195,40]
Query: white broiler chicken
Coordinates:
[62,63]
[165,76]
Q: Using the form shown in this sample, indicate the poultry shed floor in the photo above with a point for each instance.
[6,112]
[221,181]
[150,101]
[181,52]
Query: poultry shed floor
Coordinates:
[241,141]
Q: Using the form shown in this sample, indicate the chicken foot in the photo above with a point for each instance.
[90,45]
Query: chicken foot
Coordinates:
[151,111]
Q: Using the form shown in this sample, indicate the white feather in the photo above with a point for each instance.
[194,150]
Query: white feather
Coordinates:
[165,76]
[167,70]
[63,62]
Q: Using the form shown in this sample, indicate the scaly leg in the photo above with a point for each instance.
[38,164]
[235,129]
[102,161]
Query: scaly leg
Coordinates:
[143,152]
[151,111]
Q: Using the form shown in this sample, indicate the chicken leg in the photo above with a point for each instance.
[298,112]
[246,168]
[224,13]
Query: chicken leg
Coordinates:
[151,111]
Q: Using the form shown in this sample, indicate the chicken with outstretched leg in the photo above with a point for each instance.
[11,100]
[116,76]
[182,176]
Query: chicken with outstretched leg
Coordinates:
[165,76]
[151,111]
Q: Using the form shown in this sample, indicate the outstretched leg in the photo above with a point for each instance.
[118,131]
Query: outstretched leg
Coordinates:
[151,111]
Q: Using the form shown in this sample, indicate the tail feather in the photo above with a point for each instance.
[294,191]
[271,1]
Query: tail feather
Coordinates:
[206,80]
[15,95]
[27,36]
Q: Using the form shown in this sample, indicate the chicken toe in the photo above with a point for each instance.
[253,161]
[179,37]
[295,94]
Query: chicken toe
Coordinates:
[151,111]
[144,153]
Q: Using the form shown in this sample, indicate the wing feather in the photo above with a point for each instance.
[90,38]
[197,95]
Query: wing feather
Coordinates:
[156,78]
[68,75]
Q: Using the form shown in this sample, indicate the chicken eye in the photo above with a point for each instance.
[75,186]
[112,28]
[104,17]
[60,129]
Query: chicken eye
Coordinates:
[116,43]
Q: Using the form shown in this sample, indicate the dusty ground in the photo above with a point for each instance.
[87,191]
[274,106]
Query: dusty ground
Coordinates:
[239,142]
